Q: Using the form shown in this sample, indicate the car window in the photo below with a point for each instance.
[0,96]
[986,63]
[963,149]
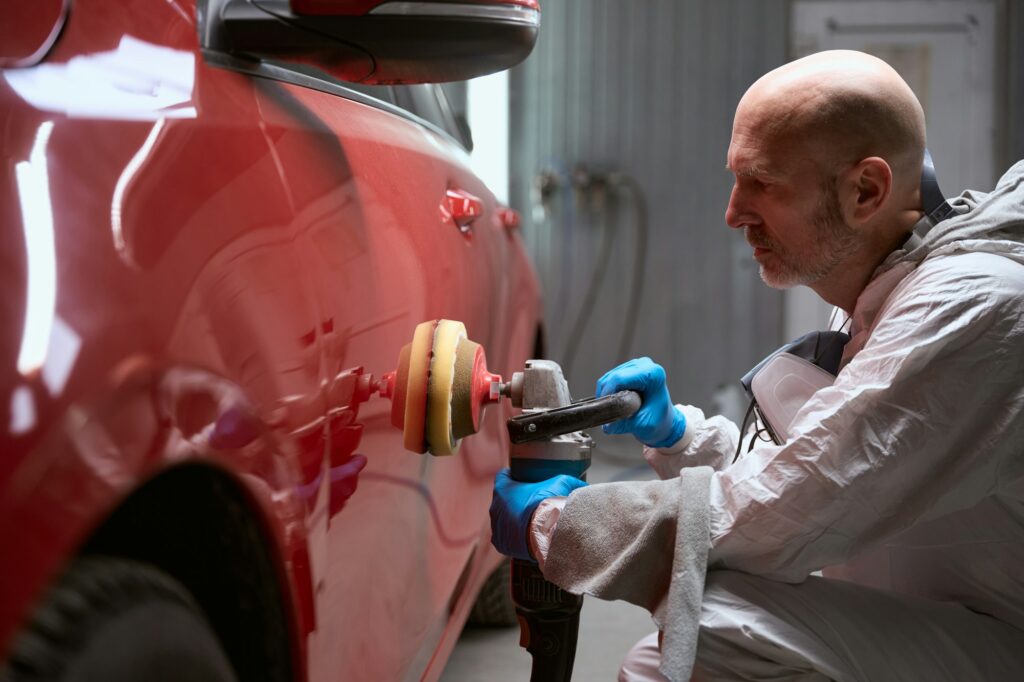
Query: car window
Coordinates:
[384,93]
[381,92]
[430,103]
[425,101]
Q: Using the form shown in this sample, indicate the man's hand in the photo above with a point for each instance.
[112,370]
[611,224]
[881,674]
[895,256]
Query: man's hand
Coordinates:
[512,507]
[657,423]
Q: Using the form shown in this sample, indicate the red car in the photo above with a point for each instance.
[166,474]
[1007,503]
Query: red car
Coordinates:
[208,242]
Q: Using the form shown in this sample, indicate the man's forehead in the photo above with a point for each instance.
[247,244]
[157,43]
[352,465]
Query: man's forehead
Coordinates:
[761,152]
[766,132]
[745,159]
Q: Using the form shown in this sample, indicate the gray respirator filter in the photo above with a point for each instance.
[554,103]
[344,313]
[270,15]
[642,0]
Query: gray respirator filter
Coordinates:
[783,382]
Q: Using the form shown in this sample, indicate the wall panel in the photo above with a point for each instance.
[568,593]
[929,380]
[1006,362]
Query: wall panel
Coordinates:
[647,90]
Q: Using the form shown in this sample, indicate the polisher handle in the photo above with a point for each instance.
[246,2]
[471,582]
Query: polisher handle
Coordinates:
[549,622]
[577,416]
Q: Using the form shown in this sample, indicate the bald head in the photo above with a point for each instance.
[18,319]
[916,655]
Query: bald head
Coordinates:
[839,107]
[826,152]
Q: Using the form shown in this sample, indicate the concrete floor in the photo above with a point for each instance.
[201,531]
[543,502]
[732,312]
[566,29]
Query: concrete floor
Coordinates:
[607,629]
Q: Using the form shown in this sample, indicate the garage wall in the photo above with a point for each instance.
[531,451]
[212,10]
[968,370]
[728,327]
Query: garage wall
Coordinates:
[1015,82]
[646,90]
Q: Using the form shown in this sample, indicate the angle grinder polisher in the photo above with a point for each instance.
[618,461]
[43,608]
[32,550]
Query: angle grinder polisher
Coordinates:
[442,385]
[438,395]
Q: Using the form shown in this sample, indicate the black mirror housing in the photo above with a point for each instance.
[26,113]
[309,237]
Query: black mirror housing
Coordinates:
[395,42]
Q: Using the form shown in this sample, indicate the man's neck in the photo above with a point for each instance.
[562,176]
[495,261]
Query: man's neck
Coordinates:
[843,286]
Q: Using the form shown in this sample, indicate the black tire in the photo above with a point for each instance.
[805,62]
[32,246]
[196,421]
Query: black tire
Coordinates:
[494,607]
[116,620]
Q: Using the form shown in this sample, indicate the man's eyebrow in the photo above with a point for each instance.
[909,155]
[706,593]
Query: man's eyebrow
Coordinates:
[748,171]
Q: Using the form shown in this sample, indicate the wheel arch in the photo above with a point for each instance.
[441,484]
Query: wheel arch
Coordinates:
[197,523]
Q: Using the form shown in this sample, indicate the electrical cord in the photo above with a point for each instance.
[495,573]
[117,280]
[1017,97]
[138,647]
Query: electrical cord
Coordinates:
[586,311]
[549,185]
[590,298]
[639,265]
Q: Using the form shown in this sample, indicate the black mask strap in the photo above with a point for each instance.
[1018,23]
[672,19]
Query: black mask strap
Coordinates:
[936,208]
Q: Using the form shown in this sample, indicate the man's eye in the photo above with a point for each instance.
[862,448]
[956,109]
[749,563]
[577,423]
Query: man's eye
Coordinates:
[753,183]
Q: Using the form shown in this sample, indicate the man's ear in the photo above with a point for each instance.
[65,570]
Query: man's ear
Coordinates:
[864,189]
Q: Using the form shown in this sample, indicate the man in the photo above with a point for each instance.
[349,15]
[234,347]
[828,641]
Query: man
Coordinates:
[903,481]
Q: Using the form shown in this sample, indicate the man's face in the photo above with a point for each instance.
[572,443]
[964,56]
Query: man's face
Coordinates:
[788,209]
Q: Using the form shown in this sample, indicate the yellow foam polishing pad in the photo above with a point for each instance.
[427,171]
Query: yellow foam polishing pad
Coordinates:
[466,407]
[414,435]
[440,439]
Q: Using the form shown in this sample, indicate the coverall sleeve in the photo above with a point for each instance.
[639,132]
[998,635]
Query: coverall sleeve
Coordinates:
[705,442]
[918,425]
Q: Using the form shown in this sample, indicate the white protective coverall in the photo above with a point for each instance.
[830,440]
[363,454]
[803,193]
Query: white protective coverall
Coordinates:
[903,482]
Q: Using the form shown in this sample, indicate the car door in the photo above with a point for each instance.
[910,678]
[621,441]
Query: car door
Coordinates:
[370,185]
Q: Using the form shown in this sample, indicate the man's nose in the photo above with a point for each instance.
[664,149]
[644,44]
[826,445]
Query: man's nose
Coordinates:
[738,213]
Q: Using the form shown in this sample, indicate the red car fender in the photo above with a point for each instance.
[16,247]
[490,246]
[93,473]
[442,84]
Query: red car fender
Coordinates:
[153,422]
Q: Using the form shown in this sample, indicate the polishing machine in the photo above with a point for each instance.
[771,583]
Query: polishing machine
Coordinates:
[438,394]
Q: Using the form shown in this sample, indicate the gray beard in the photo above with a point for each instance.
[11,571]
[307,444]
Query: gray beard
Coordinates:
[834,242]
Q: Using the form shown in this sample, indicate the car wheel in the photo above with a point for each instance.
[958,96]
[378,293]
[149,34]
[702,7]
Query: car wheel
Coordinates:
[119,621]
[494,606]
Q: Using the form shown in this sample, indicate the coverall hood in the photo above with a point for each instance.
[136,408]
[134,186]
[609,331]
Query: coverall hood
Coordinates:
[985,222]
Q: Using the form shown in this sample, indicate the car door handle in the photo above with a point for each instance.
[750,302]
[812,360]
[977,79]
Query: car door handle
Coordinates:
[463,207]
[509,218]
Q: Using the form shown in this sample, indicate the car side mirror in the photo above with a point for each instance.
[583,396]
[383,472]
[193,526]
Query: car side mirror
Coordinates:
[377,41]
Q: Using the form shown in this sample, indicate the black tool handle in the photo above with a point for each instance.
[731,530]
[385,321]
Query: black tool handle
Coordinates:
[549,621]
[580,415]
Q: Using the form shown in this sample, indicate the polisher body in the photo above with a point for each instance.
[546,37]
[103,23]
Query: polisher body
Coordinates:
[548,615]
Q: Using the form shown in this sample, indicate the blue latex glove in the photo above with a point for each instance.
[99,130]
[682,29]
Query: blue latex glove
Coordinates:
[512,507]
[657,423]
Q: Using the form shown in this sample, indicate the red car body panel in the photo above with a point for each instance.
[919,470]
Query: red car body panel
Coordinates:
[225,268]
[28,31]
